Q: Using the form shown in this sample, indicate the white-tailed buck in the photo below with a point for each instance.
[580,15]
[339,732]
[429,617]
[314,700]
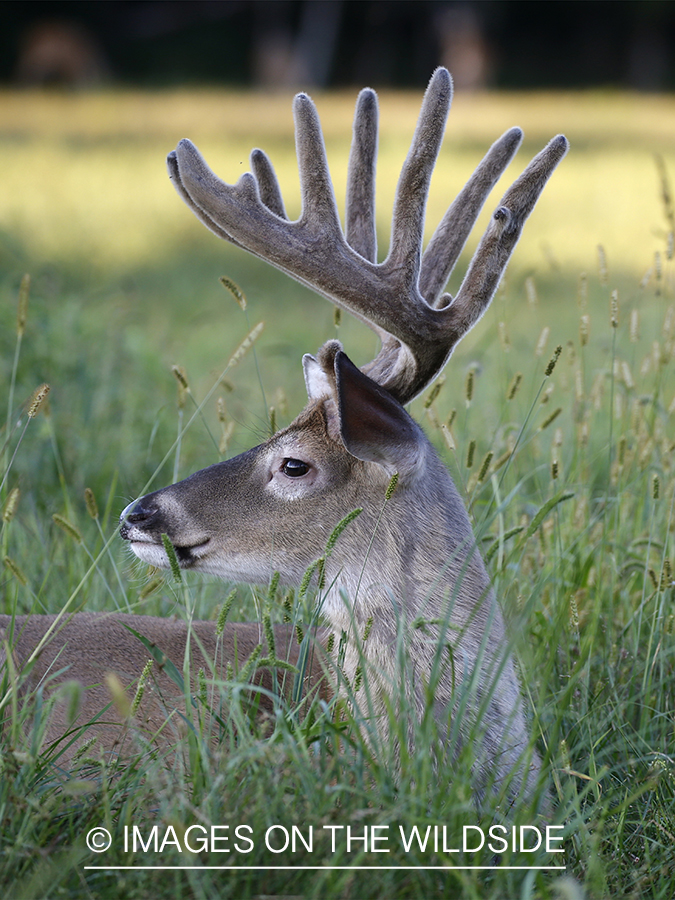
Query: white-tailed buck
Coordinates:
[407,568]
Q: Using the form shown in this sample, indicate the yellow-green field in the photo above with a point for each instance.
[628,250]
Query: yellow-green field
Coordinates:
[84,181]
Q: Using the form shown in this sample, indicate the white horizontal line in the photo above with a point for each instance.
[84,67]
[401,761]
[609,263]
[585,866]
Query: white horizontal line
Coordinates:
[332,868]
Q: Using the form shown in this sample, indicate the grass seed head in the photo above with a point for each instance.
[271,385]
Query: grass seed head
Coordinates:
[68,527]
[551,418]
[621,453]
[37,400]
[391,487]
[531,291]
[118,694]
[11,505]
[485,465]
[548,371]
[227,430]
[90,503]
[201,680]
[173,559]
[140,689]
[614,309]
[450,441]
[546,395]
[579,385]
[501,460]
[542,341]
[434,392]
[468,386]
[15,570]
[224,612]
[183,387]
[245,345]
[349,518]
[269,635]
[288,608]
[235,290]
[515,384]
[634,328]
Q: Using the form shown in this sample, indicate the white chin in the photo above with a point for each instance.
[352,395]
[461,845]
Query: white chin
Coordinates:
[152,554]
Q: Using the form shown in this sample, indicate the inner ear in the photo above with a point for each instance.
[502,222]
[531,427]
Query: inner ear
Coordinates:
[316,381]
[373,425]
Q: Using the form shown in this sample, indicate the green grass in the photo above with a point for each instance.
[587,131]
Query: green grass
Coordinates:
[125,284]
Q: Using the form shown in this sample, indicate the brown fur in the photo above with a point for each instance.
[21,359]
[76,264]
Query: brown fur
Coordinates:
[86,648]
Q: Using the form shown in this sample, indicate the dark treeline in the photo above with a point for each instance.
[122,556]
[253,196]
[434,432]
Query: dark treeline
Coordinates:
[328,43]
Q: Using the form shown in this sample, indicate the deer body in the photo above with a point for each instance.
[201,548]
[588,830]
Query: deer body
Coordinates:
[84,650]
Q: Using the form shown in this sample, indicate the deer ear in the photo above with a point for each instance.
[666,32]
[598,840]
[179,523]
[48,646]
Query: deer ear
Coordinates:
[373,425]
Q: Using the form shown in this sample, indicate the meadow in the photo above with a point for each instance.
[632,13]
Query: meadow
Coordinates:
[568,477]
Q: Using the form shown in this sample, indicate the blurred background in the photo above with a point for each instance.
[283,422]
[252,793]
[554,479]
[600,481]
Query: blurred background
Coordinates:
[332,43]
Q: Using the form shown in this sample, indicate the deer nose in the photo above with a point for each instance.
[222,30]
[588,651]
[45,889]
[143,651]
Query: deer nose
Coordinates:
[138,514]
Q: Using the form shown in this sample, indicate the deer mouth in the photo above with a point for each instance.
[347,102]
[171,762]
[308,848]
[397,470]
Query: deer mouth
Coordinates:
[189,554]
[152,551]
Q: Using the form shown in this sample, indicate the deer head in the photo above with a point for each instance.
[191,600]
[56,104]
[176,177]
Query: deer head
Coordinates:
[273,507]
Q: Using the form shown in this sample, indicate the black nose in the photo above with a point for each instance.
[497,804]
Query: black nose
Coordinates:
[139,514]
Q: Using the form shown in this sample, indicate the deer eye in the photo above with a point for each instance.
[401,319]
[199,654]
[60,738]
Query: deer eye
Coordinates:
[294,468]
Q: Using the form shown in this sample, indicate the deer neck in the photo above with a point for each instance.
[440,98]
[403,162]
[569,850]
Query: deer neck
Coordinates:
[413,560]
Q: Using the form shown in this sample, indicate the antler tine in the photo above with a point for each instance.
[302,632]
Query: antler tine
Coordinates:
[500,239]
[319,209]
[411,193]
[360,228]
[177,181]
[268,185]
[450,236]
